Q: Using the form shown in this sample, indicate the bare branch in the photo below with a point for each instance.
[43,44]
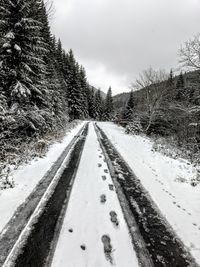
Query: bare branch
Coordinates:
[154,83]
[190,53]
[50,8]
[149,77]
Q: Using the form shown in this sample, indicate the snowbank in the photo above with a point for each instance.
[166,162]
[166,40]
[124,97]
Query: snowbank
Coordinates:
[27,176]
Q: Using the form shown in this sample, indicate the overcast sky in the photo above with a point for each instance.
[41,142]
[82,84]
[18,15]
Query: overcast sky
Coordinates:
[116,39]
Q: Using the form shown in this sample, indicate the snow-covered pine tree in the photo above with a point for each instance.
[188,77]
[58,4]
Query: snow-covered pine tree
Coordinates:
[22,49]
[20,53]
[3,109]
[59,57]
[109,108]
[171,78]
[98,105]
[84,88]
[56,86]
[180,84]
[65,58]
[128,112]
[91,107]
[74,90]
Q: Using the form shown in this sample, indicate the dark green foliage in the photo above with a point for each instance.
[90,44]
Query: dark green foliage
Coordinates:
[129,109]
[180,90]
[91,107]
[21,54]
[170,109]
[40,84]
[84,89]
[171,79]
[75,96]
[109,108]
[98,106]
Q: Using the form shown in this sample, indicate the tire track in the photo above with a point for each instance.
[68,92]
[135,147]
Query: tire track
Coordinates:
[33,239]
[164,247]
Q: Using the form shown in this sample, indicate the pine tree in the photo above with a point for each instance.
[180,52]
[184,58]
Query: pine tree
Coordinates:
[180,84]
[20,54]
[59,57]
[39,81]
[74,91]
[171,79]
[98,105]
[3,105]
[55,83]
[84,88]
[129,109]
[109,108]
[91,102]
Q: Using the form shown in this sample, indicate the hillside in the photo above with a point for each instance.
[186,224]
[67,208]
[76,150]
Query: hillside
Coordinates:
[192,83]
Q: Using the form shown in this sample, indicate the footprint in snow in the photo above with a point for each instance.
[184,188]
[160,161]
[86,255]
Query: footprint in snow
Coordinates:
[70,230]
[113,218]
[99,165]
[103,177]
[103,198]
[83,247]
[106,170]
[107,248]
[111,187]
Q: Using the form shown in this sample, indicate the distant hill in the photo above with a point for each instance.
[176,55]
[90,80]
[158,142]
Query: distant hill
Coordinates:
[192,81]
[120,100]
[103,95]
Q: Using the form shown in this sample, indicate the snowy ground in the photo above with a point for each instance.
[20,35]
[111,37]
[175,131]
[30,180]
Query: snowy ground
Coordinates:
[87,219]
[27,177]
[161,175]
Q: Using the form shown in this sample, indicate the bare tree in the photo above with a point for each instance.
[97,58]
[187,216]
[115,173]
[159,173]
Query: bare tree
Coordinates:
[49,8]
[190,53]
[155,84]
[150,77]
[190,58]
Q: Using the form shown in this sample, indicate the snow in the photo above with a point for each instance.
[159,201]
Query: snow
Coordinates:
[27,177]
[21,89]
[90,219]
[10,35]
[17,47]
[168,182]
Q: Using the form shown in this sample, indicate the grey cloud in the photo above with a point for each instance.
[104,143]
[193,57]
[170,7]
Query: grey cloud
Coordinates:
[125,36]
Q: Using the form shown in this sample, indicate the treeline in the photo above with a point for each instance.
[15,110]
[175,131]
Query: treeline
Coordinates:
[166,105]
[41,85]
[38,79]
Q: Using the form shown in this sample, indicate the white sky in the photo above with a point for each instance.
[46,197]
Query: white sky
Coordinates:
[116,39]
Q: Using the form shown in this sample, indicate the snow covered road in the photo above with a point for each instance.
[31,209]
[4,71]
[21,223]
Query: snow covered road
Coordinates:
[178,202]
[87,226]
